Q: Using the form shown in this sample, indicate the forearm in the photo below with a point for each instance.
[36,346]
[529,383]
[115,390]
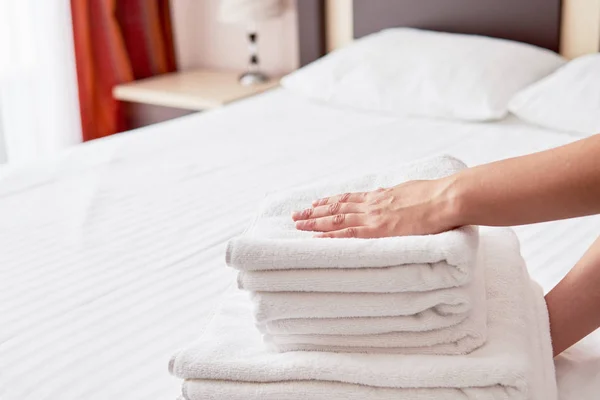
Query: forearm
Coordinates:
[574,304]
[555,184]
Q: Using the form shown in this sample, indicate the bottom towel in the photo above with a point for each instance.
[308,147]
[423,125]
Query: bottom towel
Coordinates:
[302,390]
[230,361]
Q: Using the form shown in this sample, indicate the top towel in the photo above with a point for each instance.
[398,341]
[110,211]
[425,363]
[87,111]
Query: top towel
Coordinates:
[429,262]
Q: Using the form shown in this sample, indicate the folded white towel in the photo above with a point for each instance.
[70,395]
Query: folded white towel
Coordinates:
[428,262]
[271,306]
[461,338]
[423,321]
[403,278]
[302,390]
[230,360]
[331,334]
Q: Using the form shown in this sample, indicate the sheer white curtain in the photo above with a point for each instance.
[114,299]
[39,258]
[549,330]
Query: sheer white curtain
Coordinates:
[39,108]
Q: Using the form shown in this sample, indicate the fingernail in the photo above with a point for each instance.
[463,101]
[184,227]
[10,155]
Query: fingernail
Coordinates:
[299,224]
[316,202]
[296,215]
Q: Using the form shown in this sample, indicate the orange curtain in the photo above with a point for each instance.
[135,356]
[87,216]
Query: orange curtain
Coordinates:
[117,41]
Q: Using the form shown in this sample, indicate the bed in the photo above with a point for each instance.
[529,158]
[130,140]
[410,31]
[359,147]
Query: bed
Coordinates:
[111,256]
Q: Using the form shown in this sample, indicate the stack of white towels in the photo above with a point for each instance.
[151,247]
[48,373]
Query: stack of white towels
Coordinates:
[447,316]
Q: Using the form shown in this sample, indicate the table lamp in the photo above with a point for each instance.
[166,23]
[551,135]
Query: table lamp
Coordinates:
[250,13]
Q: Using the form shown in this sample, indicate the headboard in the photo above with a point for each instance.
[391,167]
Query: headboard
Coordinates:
[531,21]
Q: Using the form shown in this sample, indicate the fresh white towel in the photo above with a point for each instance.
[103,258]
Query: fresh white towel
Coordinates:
[354,314]
[428,262]
[461,338]
[423,321]
[271,306]
[230,360]
[302,390]
[418,336]
[402,278]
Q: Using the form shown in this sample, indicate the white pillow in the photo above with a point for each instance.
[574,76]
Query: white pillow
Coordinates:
[416,72]
[567,100]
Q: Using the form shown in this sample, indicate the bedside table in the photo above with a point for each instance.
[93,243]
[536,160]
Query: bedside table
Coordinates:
[189,90]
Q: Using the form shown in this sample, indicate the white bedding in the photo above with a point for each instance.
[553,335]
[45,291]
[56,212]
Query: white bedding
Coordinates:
[112,256]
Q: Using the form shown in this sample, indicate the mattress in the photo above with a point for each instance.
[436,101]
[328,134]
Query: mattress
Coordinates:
[112,255]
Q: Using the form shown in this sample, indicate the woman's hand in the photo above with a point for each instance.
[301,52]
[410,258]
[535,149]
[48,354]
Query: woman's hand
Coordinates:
[411,208]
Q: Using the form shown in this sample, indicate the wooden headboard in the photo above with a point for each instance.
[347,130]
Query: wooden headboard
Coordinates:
[531,21]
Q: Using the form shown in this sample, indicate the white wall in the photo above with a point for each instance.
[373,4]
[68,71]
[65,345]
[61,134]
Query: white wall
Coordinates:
[202,41]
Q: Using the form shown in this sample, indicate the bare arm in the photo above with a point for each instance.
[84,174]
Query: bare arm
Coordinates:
[574,304]
[555,184]
[559,183]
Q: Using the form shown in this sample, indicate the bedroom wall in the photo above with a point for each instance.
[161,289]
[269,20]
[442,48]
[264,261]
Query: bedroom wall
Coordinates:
[202,41]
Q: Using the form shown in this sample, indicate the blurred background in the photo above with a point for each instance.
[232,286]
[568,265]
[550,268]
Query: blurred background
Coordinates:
[60,61]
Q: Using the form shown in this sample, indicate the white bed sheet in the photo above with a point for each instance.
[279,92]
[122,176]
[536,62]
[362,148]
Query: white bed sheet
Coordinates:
[111,256]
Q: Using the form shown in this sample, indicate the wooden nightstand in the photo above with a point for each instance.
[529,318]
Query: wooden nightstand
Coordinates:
[190,90]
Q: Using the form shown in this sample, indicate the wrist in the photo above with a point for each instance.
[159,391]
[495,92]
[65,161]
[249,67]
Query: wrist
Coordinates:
[454,201]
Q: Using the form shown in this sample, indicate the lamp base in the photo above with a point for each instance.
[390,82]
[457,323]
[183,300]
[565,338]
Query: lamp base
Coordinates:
[253,78]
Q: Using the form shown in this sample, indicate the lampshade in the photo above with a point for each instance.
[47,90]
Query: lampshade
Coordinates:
[249,11]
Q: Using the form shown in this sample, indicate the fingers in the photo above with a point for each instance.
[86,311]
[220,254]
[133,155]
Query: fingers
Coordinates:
[331,223]
[341,198]
[327,210]
[362,232]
